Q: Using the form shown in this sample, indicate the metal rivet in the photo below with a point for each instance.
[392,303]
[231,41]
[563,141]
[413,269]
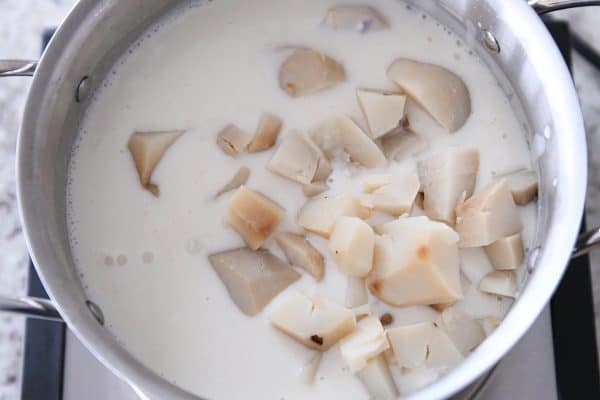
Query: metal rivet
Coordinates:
[96,311]
[490,42]
[83,89]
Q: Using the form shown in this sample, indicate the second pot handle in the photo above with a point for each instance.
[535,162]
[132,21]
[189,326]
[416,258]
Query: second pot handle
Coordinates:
[17,67]
[31,307]
[546,6]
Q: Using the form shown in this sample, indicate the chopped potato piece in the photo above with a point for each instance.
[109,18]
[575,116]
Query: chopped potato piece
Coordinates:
[403,145]
[300,252]
[319,213]
[487,216]
[415,262]
[396,198]
[254,216]
[314,188]
[478,304]
[232,140]
[411,380]
[506,253]
[373,182]
[252,278]
[474,264]
[307,71]
[523,185]
[266,134]
[378,380]
[445,176]
[147,149]
[417,208]
[339,137]
[442,93]
[356,292]
[382,111]
[351,246]
[316,322]
[464,331]
[489,324]
[323,169]
[423,344]
[295,159]
[502,283]
[240,178]
[359,18]
[441,306]
[367,341]
[309,370]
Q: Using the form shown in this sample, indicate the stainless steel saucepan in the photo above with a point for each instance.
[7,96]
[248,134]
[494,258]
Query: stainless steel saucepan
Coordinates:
[508,34]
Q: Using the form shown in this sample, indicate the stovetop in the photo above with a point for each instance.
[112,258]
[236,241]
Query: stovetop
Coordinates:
[556,359]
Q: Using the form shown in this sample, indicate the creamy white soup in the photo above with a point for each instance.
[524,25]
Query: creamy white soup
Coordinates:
[300,199]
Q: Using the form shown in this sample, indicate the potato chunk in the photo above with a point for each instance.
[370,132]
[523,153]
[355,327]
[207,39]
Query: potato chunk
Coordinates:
[523,185]
[398,197]
[358,18]
[232,140]
[445,177]
[382,111]
[147,149]
[315,321]
[366,342]
[465,332]
[351,246]
[487,216]
[501,283]
[252,278]
[478,304]
[440,92]
[423,344]
[370,183]
[295,159]
[266,134]
[378,380]
[300,252]
[323,169]
[314,188]
[506,253]
[400,146]
[240,178]
[307,71]
[254,216]
[356,292]
[416,262]
[339,137]
[319,213]
[309,370]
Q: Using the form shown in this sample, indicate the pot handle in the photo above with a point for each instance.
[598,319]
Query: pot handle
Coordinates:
[30,307]
[17,67]
[546,6]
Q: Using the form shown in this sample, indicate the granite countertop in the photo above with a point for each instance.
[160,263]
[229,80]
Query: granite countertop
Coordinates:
[21,26]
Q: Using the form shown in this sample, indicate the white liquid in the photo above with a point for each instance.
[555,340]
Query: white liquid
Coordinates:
[143,260]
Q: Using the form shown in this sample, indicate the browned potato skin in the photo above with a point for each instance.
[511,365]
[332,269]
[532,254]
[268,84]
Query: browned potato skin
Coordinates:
[147,152]
[233,140]
[300,252]
[308,71]
[252,278]
[240,178]
[266,134]
[254,216]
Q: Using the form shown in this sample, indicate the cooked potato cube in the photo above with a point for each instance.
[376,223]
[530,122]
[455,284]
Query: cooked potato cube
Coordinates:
[440,92]
[147,149]
[413,379]
[319,213]
[402,145]
[232,140]
[351,246]
[423,344]
[501,283]
[266,134]
[295,159]
[489,324]
[300,252]
[415,262]
[252,278]
[356,292]
[357,18]
[323,169]
[314,188]
[240,178]
[382,111]
[254,216]
[398,197]
[339,137]
[506,253]
[523,185]
[307,71]
[316,322]
[378,380]
[309,370]
[366,342]
[445,176]
[370,183]
[465,332]
[487,216]
[474,264]
[478,304]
